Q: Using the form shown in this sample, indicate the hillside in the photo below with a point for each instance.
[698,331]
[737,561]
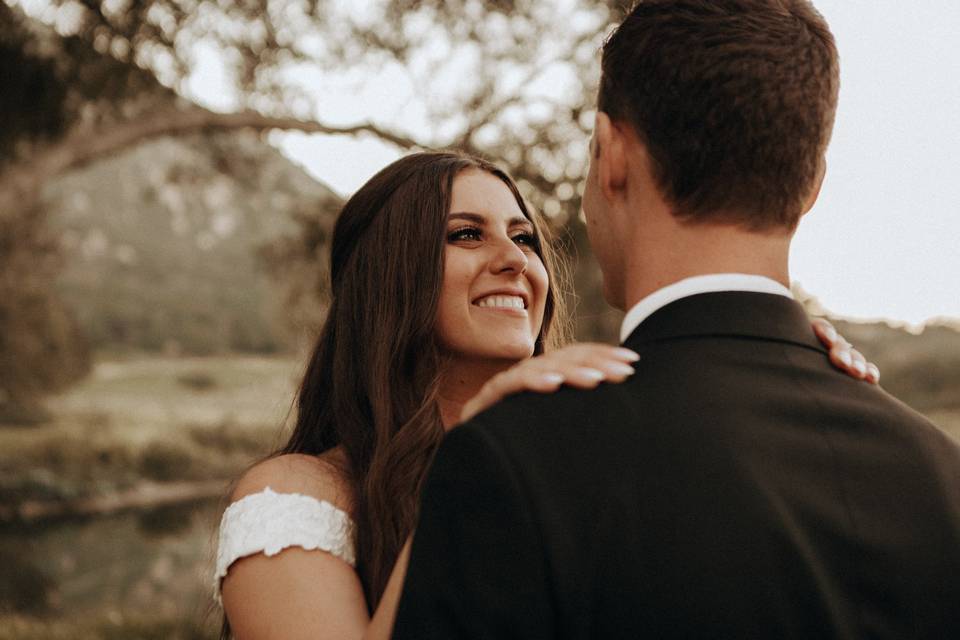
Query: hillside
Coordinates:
[921,369]
[161,243]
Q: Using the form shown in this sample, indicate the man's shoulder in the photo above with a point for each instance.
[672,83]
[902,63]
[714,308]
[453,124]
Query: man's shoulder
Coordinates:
[559,424]
[567,405]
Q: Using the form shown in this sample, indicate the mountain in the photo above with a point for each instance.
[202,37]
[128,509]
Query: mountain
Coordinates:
[161,243]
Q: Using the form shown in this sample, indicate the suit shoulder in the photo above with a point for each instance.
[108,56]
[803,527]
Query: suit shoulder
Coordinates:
[526,419]
[565,404]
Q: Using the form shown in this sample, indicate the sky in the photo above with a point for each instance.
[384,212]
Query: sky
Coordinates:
[882,241]
[884,238]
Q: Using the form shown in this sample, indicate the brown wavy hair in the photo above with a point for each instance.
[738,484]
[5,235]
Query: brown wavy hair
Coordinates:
[371,383]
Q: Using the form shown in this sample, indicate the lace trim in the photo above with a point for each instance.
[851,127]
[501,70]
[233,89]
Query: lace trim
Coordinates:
[268,522]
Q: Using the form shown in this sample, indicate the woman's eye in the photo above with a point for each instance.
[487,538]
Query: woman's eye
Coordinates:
[527,239]
[465,233]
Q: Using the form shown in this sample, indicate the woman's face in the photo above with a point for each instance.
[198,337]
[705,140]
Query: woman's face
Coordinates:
[494,283]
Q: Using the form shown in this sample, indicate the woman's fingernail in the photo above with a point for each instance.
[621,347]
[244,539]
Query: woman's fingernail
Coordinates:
[553,378]
[859,368]
[622,369]
[627,354]
[845,358]
[873,372]
[594,374]
[831,334]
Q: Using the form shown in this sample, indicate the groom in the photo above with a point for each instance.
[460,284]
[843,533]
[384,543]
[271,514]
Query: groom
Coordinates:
[736,486]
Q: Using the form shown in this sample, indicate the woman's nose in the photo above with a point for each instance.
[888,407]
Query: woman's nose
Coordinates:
[508,257]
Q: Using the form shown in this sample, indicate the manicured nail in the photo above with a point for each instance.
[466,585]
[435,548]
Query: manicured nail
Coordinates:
[859,368]
[553,378]
[873,372]
[627,354]
[622,369]
[595,374]
[846,358]
[831,334]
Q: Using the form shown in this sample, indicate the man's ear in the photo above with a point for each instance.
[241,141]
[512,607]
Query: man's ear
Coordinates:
[817,186]
[610,156]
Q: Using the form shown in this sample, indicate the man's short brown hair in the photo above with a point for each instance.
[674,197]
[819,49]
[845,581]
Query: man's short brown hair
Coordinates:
[734,100]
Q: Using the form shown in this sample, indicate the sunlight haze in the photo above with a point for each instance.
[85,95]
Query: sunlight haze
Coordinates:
[882,240]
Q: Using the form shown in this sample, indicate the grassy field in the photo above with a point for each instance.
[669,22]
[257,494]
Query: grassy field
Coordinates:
[152,419]
[133,422]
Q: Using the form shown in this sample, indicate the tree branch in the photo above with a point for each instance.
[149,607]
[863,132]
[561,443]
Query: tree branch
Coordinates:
[82,149]
[78,149]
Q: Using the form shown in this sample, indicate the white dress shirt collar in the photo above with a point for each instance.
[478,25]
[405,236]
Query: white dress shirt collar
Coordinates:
[692,286]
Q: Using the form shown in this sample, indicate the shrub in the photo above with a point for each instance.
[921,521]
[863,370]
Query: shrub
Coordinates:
[197,381]
[164,462]
[24,588]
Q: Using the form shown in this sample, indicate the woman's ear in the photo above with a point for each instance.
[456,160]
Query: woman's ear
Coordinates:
[610,156]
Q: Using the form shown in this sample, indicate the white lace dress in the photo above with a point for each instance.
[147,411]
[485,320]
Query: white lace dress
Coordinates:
[269,522]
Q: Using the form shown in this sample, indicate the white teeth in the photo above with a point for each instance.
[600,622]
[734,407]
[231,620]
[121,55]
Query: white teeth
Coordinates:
[508,302]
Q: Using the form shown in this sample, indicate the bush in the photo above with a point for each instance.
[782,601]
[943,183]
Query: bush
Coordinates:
[23,412]
[228,438]
[164,462]
[197,381]
[23,587]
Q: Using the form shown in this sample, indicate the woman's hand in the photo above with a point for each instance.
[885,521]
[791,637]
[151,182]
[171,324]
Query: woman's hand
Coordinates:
[583,365]
[843,356]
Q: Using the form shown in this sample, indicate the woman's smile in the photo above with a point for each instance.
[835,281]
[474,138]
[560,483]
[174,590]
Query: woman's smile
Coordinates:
[509,303]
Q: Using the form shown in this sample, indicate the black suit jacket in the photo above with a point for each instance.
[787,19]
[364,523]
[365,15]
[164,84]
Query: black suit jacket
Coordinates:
[736,487]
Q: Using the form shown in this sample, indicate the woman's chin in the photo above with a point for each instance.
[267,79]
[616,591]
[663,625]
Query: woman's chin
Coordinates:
[504,352]
[514,352]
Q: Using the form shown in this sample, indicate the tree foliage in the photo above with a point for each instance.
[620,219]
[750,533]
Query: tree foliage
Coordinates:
[510,80]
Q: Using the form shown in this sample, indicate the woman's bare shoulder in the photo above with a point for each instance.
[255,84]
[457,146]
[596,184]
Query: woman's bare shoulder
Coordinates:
[322,477]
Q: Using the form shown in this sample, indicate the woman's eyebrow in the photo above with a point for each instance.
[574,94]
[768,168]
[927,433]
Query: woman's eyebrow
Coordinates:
[469,217]
[476,218]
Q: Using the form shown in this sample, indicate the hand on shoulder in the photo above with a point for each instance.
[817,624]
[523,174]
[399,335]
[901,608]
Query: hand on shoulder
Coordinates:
[583,365]
[842,355]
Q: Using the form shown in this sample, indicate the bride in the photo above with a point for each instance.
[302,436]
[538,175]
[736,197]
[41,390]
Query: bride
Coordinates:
[443,287]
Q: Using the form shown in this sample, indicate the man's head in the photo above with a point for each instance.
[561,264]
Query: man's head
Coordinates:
[732,103]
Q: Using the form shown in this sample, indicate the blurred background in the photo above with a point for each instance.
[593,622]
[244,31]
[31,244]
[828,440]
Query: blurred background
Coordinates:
[169,174]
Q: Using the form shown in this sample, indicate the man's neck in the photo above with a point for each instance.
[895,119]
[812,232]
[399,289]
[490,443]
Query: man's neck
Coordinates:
[686,251]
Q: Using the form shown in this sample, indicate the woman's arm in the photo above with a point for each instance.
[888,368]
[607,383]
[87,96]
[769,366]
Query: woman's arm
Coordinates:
[381,627]
[296,593]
